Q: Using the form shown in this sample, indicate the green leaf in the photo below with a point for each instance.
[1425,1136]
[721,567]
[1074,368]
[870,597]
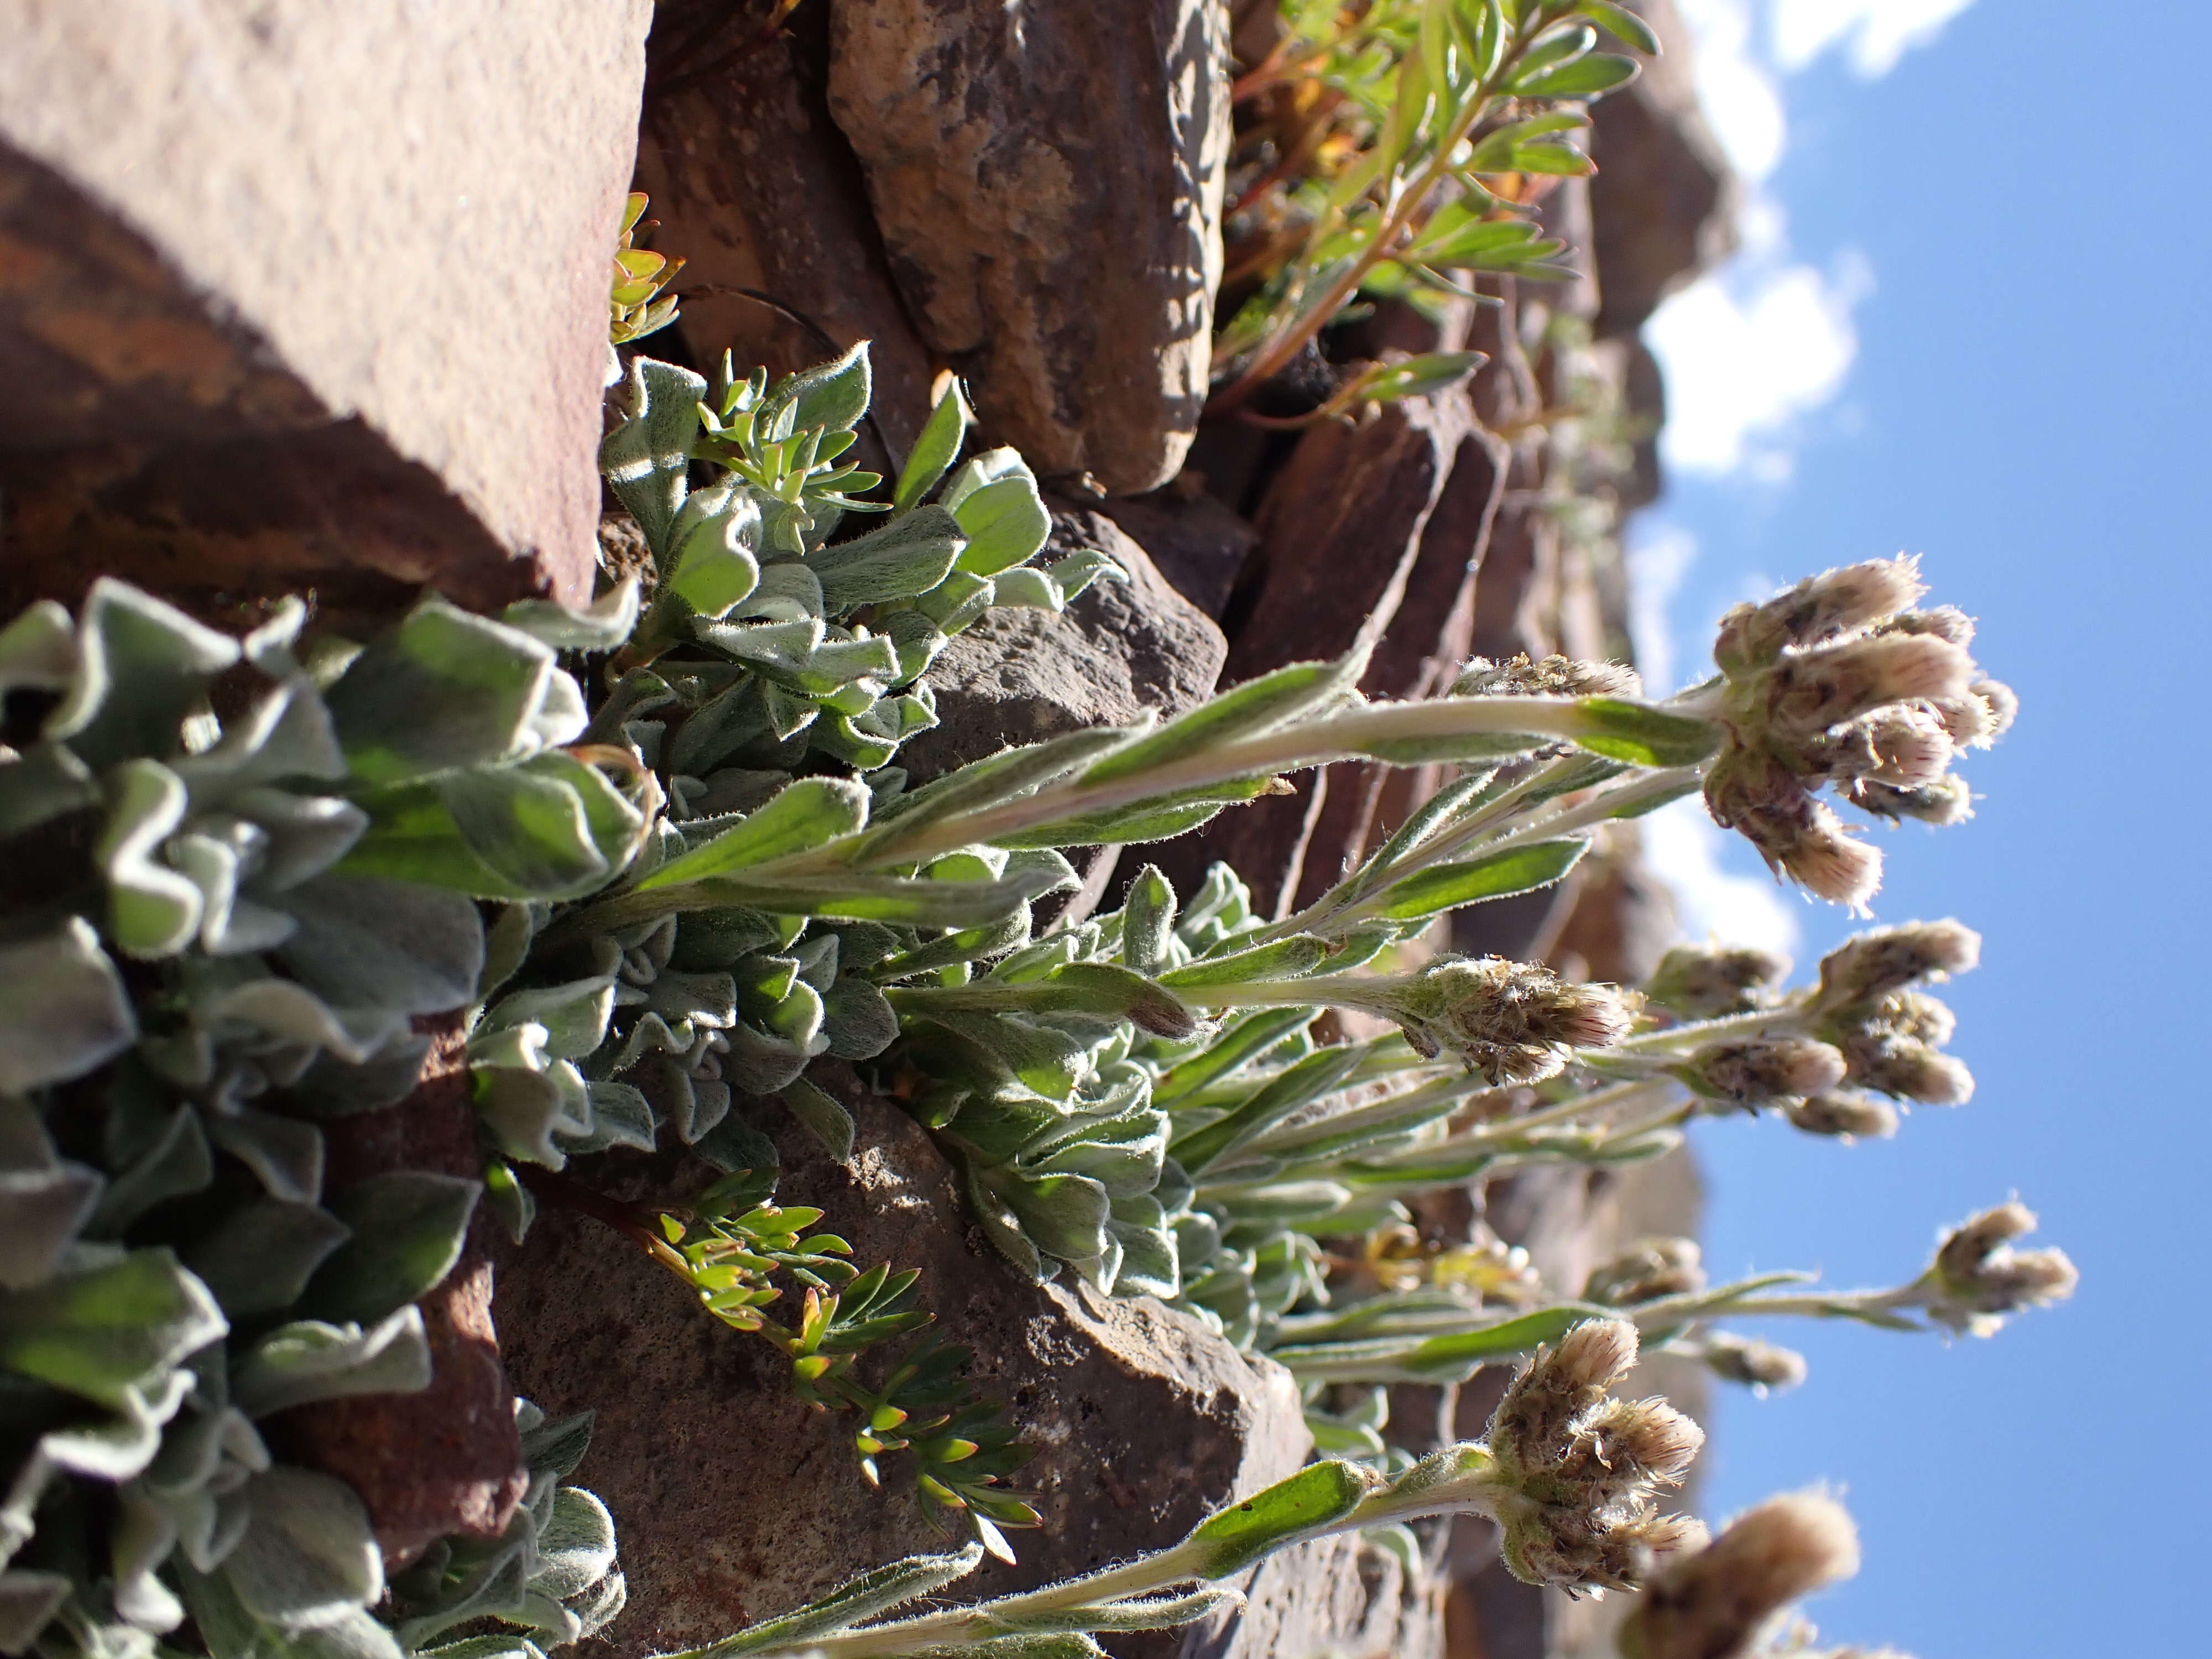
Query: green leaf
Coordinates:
[833,395]
[306,1361]
[100,1332]
[1297,1086]
[713,565]
[443,690]
[1286,958]
[852,1601]
[1624,25]
[260,1257]
[64,1010]
[576,1545]
[935,449]
[1447,886]
[1634,731]
[823,1114]
[152,910]
[1303,1506]
[1157,819]
[1148,916]
[408,1228]
[144,667]
[602,625]
[1256,707]
[802,816]
[980,785]
[1412,376]
[648,458]
[910,555]
[1585,77]
[1005,521]
[368,943]
[231,1633]
[308,1557]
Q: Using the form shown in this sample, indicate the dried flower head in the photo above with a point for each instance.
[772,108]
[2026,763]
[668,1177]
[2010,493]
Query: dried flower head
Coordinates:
[1905,1069]
[1978,1278]
[1703,982]
[1510,1022]
[1554,676]
[1575,1471]
[1870,965]
[1757,1070]
[1653,1268]
[1845,1116]
[1754,1364]
[1717,1603]
[1945,622]
[1810,691]
[1819,608]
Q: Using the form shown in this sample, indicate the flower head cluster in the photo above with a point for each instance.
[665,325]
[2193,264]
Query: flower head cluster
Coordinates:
[1720,1602]
[1840,682]
[1577,1471]
[1511,1021]
[1889,1033]
[1747,1360]
[1709,981]
[1978,1276]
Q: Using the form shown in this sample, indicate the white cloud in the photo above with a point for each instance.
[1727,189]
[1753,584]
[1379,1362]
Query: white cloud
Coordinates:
[1692,853]
[1747,352]
[1742,103]
[1875,32]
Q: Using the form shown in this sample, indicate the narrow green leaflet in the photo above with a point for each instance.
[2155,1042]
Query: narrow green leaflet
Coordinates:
[908,556]
[1642,735]
[800,817]
[1309,1502]
[1447,886]
[1256,707]
[935,450]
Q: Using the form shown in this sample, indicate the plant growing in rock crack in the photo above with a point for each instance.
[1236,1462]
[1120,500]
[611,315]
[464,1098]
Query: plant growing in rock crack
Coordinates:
[704,872]
[208,955]
[1394,147]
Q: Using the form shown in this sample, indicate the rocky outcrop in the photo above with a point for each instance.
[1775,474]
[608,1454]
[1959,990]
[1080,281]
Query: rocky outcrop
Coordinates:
[738,1502]
[1121,650]
[1049,189]
[754,185]
[291,297]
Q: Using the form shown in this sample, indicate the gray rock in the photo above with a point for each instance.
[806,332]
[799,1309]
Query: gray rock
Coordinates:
[734,1502]
[1050,188]
[1020,676]
[354,260]
[1335,1595]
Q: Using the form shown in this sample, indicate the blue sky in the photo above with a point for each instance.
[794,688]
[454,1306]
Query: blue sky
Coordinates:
[1970,323]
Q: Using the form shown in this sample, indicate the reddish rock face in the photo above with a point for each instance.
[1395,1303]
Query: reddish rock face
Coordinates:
[293,297]
[1050,192]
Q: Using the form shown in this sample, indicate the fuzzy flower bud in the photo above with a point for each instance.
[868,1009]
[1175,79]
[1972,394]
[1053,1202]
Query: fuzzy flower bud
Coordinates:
[1654,1268]
[1575,1471]
[1716,1604]
[1870,965]
[1820,857]
[1754,1364]
[1816,690]
[1706,981]
[1904,746]
[1905,1069]
[1818,609]
[1941,803]
[1510,1022]
[1945,622]
[1847,1117]
[1753,1072]
[1978,1278]
[1555,677]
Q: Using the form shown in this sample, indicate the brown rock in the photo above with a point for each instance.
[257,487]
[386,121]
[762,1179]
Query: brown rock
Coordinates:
[1332,1596]
[1663,200]
[1021,675]
[1340,534]
[1050,188]
[446,1459]
[734,1502]
[755,186]
[296,294]
[1199,543]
